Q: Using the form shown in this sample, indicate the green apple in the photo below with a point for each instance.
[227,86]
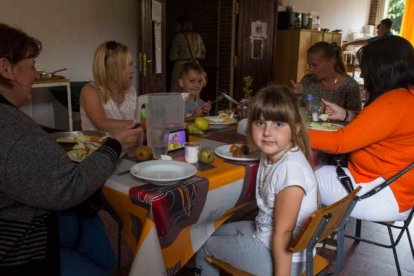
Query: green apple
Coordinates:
[201,123]
[193,129]
[206,155]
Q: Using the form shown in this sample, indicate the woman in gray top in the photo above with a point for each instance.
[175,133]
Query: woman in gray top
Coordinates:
[327,78]
[36,176]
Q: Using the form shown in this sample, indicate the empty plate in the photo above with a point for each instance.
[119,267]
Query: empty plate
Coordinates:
[163,172]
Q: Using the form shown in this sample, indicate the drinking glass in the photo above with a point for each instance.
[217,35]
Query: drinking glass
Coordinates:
[158,141]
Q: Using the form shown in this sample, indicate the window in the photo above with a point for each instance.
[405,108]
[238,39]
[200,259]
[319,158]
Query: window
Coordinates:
[394,10]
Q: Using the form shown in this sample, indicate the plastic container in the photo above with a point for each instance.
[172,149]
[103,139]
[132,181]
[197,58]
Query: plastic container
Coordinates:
[164,112]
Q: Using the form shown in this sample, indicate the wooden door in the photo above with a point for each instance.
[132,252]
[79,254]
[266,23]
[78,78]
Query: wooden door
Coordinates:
[151,78]
[249,61]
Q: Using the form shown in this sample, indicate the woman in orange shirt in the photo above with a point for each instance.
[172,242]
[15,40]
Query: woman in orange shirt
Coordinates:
[380,139]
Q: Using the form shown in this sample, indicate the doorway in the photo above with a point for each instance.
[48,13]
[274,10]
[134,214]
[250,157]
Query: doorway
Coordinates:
[225,26]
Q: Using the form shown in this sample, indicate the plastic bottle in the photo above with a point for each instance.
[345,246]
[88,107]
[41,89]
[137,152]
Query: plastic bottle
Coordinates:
[317,23]
[315,111]
[298,21]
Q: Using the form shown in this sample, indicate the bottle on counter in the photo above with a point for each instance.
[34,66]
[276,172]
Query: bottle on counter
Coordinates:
[317,23]
[298,21]
[310,22]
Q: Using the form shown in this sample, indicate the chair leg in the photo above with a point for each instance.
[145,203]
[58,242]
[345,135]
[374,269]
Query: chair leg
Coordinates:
[394,250]
[358,226]
[410,242]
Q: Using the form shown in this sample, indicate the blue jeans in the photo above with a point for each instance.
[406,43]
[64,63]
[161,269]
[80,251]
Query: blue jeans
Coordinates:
[234,243]
[84,247]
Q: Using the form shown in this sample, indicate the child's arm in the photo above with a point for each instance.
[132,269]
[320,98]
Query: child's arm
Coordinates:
[203,109]
[286,210]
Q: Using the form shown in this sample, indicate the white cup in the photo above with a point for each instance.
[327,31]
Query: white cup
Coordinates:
[191,152]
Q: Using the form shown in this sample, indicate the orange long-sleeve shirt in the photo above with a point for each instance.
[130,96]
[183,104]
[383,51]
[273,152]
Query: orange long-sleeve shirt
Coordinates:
[380,142]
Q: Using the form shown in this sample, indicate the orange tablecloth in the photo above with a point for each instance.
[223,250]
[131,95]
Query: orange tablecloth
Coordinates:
[166,225]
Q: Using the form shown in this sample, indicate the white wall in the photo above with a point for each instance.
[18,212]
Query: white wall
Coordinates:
[71,30]
[348,15]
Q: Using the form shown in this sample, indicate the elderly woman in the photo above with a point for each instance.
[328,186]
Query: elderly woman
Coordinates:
[380,140]
[327,78]
[37,178]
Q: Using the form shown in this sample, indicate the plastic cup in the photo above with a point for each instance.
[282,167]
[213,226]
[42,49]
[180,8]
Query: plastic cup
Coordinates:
[191,152]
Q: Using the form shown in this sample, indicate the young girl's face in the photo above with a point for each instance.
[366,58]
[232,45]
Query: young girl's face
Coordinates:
[192,82]
[273,138]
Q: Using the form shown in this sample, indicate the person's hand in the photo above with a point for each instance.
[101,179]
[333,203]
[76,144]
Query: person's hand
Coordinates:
[297,87]
[206,107]
[334,111]
[129,137]
[202,109]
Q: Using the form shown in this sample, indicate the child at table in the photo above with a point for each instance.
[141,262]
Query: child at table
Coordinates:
[192,79]
[286,193]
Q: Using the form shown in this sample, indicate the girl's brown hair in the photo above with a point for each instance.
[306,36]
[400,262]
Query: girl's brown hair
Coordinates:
[278,103]
[15,46]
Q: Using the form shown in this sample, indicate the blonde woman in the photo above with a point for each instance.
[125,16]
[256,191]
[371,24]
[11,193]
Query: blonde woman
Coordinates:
[109,103]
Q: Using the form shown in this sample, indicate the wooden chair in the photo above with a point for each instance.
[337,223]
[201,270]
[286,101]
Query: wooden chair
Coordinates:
[350,62]
[393,242]
[320,225]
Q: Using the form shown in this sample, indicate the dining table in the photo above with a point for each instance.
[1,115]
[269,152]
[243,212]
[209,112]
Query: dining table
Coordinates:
[165,225]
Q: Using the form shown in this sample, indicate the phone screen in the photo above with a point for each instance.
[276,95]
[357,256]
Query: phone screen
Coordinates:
[177,139]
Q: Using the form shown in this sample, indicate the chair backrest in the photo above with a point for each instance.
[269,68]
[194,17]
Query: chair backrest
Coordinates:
[335,214]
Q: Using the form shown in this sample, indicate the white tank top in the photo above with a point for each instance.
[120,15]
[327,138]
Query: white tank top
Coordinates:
[125,111]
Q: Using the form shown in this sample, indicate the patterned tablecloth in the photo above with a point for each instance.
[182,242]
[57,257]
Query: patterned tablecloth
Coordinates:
[166,225]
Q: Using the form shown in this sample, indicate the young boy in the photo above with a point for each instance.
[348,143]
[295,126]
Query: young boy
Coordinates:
[192,79]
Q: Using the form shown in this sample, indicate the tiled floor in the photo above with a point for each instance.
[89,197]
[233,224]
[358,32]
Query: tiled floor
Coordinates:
[366,259]
[362,259]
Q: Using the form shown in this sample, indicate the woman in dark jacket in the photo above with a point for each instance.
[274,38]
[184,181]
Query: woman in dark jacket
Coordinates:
[37,178]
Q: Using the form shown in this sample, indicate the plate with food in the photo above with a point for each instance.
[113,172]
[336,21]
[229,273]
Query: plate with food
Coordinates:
[80,144]
[219,122]
[163,172]
[238,152]
[324,126]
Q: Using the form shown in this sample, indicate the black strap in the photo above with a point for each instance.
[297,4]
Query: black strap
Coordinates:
[387,182]
[347,183]
[344,179]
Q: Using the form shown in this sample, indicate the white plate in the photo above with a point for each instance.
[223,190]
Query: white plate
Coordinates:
[217,122]
[325,126]
[163,172]
[224,152]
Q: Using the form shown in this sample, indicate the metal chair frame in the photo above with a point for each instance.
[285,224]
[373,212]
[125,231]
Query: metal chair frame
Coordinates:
[393,242]
[320,225]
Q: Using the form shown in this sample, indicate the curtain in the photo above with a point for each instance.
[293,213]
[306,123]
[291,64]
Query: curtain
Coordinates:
[407,26]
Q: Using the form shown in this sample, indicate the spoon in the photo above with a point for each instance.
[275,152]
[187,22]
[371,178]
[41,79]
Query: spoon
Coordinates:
[230,99]
[52,74]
